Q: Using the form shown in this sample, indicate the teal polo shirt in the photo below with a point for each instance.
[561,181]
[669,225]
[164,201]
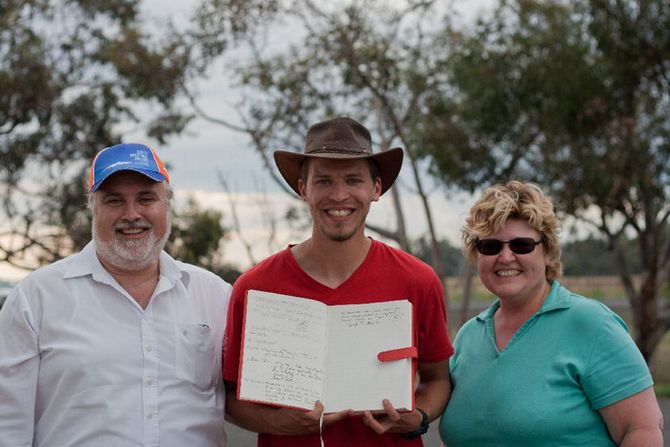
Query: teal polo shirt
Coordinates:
[573,357]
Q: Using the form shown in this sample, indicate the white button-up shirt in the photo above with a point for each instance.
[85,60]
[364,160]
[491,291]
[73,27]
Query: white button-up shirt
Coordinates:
[82,364]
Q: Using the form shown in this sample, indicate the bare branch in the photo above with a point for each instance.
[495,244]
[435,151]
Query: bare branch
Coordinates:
[383,232]
[236,221]
[207,117]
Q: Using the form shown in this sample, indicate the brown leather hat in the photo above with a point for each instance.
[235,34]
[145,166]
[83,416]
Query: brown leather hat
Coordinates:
[339,138]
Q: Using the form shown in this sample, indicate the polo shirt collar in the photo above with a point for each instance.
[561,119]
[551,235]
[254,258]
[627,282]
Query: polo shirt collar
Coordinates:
[558,298]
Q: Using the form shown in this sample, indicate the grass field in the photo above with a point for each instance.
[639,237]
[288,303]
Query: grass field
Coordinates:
[603,288]
[662,390]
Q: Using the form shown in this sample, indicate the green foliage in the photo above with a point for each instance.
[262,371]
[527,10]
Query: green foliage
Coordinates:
[592,257]
[197,238]
[73,74]
[662,390]
[218,23]
[452,257]
[574,96]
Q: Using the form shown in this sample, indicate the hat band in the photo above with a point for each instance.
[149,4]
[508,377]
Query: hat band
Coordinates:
[326,150]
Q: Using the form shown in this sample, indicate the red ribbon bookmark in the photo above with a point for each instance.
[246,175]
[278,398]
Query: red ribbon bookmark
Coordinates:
[397,354]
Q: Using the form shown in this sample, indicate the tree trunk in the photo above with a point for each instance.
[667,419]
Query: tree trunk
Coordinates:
[401,228]
[643,299]
[649,329]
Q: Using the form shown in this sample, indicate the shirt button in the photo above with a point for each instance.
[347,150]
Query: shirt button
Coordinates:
[150,416]
[149,382]
[148,348]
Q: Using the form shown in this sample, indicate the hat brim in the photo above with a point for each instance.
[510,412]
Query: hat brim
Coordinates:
[153,175]
[389,162]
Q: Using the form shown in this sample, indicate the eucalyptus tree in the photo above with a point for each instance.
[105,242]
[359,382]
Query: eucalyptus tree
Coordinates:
[373,60]
[198,237]
[72,76]
[575,96]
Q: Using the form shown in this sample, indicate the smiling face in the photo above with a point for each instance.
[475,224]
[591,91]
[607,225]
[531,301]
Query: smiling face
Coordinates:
[130,220]
[515,278]
[339,193]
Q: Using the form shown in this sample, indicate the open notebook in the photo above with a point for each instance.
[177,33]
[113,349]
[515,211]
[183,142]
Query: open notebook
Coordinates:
[296,351]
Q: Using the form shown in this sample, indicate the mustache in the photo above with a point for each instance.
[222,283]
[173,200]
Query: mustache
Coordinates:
[141,225]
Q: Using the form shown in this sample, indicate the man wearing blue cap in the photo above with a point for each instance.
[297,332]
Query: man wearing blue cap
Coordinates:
[119,344]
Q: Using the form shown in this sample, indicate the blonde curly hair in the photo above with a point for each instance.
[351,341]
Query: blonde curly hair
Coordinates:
[514,200]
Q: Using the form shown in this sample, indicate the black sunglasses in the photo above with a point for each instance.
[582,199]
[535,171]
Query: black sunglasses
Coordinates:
[519,245]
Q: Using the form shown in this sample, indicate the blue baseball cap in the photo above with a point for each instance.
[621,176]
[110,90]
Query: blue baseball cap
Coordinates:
[126,157]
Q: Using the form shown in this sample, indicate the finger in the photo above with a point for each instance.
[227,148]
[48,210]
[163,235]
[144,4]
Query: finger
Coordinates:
[295,422]
[373,423]
[391,412]
[338,416]
[318,409]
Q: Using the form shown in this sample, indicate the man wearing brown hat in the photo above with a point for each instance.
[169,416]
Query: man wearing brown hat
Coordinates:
[338,176]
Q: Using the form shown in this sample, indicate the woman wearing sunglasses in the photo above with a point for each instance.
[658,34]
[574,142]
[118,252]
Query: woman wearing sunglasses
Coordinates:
[542,366]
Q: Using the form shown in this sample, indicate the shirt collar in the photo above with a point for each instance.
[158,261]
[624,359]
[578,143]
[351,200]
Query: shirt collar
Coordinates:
[86,262]
[558,298]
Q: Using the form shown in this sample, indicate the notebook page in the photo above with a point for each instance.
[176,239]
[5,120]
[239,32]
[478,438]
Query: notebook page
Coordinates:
[283,350]
[356,379]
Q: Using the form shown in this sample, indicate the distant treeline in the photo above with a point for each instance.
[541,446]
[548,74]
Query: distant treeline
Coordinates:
[587,257]
[594,257]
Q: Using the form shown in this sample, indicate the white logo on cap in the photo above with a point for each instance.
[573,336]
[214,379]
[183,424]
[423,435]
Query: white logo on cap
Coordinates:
[140,157]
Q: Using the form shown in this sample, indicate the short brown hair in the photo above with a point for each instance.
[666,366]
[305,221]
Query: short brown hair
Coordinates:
[514,200]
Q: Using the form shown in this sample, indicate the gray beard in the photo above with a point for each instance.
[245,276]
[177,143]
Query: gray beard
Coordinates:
[133,254]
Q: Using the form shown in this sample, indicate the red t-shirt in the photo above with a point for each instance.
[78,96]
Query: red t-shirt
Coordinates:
[386,274]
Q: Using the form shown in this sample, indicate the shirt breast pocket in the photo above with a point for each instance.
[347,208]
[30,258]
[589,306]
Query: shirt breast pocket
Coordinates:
[196,357]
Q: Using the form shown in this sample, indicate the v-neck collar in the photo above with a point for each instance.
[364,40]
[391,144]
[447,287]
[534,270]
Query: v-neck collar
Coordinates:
[322,287]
